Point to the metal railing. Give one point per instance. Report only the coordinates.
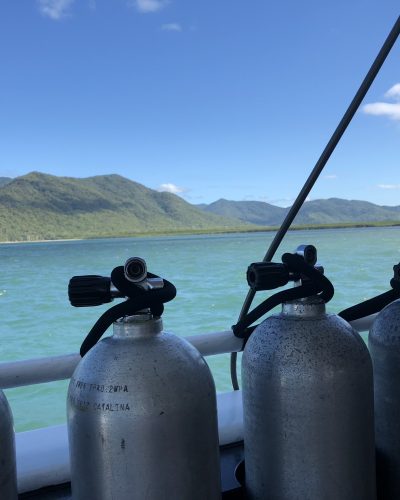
(50, 369)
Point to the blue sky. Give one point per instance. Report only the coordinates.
(208, 99)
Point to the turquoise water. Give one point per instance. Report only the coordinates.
(208, 271)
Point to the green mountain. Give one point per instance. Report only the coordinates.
(254, 212)
(331, 211)
(4, 180)
(40, 206)
(336, 210)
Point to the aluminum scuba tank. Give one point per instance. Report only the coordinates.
(142, 418)
(8, 475)
(384, 345)
(308, 407)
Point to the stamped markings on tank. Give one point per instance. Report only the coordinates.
(83, 404)
(79, 403)
(111, 406)
(110, 388)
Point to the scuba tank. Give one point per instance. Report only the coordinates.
(142, 418)
(384, 345)
(8, 475)
(307, 393)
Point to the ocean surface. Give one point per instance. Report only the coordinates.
(208, 271)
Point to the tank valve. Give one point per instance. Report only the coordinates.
(271, 275)
(142, 290)
(300, 267)
(92, 290)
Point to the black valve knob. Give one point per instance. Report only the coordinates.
(396, 272)
(308, 252)
(395, 281)
(267, 275)
(90, 290)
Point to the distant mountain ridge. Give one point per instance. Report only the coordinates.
(40, 206)
(330, 211)
(258, 212)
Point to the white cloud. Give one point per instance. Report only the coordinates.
(55, 9)
(389, 186)
(150, 5)
(389, 109)
(171, 27)
(171, 188)
(394, 92)
(330, 176)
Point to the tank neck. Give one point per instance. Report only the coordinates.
(138, 325)
(310, 307)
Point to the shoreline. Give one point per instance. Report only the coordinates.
(18, 242)
(260, 229)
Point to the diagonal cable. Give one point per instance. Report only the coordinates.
(327, 152)
(319, 166)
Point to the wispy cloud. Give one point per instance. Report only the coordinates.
(146, 6)
(389, 186)
(171, 188)
(55, 9)
(171, 27)
(389, 109)
(330, 176)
